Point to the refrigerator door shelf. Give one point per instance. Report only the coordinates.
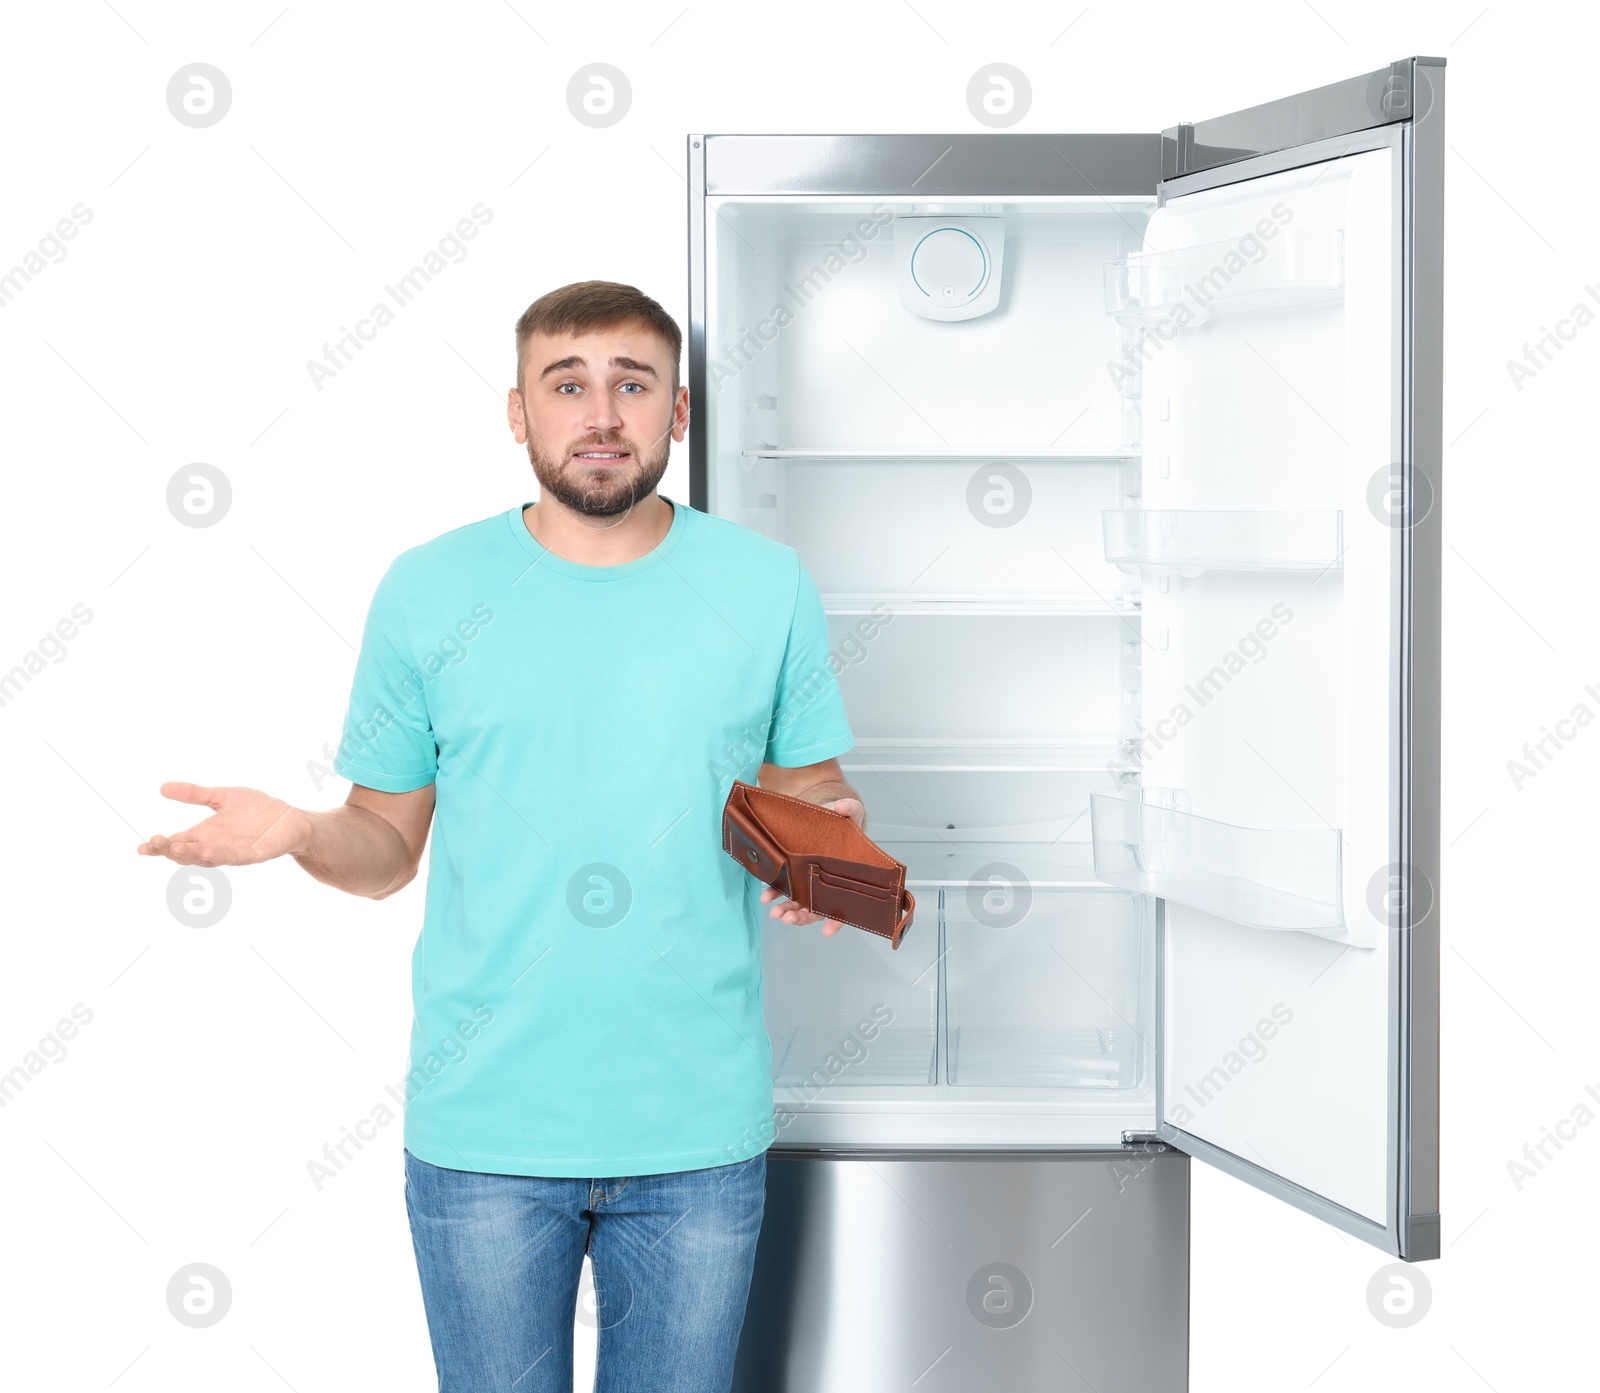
(1262, 878)
(1190, 542)
(1270, 267)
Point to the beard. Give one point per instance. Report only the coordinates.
(600, 491)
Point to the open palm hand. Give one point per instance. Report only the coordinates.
(246, 826)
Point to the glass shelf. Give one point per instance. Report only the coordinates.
(957, 809)
(1145, 839)
(1296, 267)
(975, 602)
(1190, 542)
(878, 455)
(953, 860)
(988, 756)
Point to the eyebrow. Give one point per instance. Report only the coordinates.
(574, 360)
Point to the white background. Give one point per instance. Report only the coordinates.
(178, 1126)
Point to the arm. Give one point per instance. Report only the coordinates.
(369, 847)
(375, 840)
(822, 783)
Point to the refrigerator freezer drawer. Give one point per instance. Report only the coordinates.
(1022, 1271)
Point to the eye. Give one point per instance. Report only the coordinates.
(561, 387)
(639, 385)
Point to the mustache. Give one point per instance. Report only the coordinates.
(620, 443)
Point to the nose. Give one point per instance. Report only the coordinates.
(602, 415)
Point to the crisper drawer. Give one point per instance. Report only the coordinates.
(850, 1010)
(1046, 987)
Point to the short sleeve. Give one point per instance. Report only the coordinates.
(808, 719)
(387, 742)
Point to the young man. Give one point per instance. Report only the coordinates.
(567, 690)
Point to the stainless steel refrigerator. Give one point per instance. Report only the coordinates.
(1116, 460)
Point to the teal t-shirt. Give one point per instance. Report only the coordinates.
(587, 983)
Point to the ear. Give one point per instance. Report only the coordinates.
(515, 418)
(680, 415)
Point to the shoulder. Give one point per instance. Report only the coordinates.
(453, 553)
(726, 542)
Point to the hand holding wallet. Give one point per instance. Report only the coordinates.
(819, 858)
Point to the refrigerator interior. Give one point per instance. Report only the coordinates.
(944, 483)
(1050, 540)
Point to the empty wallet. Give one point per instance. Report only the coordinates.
(819, 858)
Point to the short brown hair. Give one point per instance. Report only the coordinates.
(586, 305)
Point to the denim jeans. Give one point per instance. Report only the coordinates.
(500, 1256)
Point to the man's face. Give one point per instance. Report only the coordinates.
(598, 415)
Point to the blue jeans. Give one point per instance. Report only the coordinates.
(500, 1256)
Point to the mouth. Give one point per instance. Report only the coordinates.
(604, 456)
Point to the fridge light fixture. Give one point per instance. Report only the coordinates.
(948, 259)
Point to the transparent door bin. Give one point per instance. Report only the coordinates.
(1190, 542)
(1293, 268)
(1146, 839)
(849, 1010)
(1043, 987)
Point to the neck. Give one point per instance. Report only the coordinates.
(592, 541)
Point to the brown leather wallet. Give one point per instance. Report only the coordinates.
(819, 858)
